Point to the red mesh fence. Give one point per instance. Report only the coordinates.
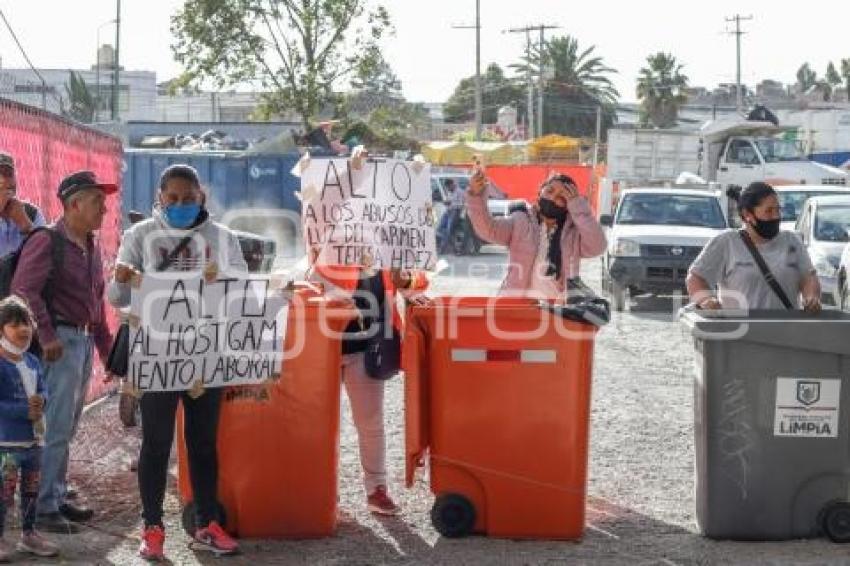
(46, 148)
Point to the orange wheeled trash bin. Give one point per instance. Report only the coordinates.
(278, 443)
(497, 399)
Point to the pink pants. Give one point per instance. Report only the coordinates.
(366, 396)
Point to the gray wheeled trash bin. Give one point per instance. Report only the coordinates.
(772, 424)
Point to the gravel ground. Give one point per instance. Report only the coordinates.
(640, 506)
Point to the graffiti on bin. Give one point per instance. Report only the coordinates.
(378, 214)
(186, 333)
(735, 434)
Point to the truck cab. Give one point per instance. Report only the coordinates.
(739, 153)
(654, 236)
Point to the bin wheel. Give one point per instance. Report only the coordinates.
(835, 521)
(453, 515)
(189, 523)
(618, 296)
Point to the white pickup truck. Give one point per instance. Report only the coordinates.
(655, 234)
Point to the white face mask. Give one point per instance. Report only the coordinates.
(11, 348)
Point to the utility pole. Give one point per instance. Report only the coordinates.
(478, 85)
(598, 138)
(541, 28)
(739, 101)
(115, 76)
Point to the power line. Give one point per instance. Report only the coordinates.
(541, 28)
(27, 59)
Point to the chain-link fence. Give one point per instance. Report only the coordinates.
(46, 148)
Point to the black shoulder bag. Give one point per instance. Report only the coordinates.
(383, 349)
(119, 354)
(765, 270)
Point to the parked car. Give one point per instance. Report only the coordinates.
(655, 234)
(793, 197)
(463, 240)
(822, 226)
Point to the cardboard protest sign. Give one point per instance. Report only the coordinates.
(376, 215)
(187, 333)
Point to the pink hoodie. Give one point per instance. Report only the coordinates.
(520, 232)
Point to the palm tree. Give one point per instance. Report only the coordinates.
(660, 89)
(845, 74)
(806, 77)
(81, 102)
(576, 83)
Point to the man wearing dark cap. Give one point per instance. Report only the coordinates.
(68, 327)
(17, 218)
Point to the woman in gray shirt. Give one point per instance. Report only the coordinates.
(726, 263)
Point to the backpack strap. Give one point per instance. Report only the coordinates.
(765, 270)
(57, 261)
(31, 210)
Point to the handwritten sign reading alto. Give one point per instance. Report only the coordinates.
(185, 331)
(379, 215)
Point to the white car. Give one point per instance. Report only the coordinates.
(823, 226)
(793, 197)
(654, 237)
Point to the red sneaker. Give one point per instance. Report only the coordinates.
(379, 502)
(153, 539)
(214, 539)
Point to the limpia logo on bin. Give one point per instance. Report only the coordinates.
(807, 407)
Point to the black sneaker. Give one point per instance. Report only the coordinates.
(55, 523)
(76, 513)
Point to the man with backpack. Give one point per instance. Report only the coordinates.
(17, 218)
(66, 295)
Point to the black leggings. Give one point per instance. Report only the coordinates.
(200, 428)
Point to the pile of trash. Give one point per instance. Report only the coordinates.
(211, 140)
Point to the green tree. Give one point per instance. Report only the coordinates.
(660, 89)
(845, 74)
(297, 50)
(376, 89)
(577, 83)
(497, 90)
(832, 75)
(806, 77)
(81, 103)
(389, 128)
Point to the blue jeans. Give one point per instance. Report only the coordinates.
(23, 463)
(67, 382)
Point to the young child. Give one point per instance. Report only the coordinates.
(22, 399)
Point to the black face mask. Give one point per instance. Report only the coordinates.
(767, 229)
(549, 209)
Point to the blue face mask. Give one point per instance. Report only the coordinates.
(181, 215)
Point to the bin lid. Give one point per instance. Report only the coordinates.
(826, 331)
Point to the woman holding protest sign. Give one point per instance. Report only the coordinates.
(373, 337)
(546, 243)
(370, 351)
(179, 237)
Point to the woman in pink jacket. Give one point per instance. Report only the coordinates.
(545, 243)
